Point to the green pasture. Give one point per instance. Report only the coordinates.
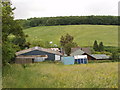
(84, 35)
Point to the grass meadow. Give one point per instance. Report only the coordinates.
(57, 75)
(84, 35)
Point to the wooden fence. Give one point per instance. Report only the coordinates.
(23, 60)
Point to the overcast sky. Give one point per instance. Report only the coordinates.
(47, 8)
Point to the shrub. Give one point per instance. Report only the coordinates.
(103, 52)
(115, 56)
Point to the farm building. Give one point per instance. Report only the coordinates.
(37, 54)
(100, 56)
(81, 59)
(80, 52)
(68, 60)
(89, 56)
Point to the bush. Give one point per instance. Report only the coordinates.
(104, 52)
(37, 43)
(110, 49)
(8, 52)
(99, 61)
(115, 56)
(25, 65)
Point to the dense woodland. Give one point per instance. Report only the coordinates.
(70, 20)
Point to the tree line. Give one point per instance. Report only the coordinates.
(70, 20)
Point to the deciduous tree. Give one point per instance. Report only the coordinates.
(67, 43)
(10, 27)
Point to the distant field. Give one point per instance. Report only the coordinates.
(84, 35)
(57, 75)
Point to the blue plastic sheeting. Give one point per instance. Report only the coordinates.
(81, 61)
(67, 60)
(85, 61)
(39, 59)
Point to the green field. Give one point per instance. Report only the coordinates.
(57, 75)
(84, 35)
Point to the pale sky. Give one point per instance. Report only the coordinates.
(50, 8)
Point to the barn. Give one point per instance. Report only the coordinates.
(78, 51)
(37, 54)
(81, 52)
(100, 56)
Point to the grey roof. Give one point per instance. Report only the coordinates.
(100, 56)
(75, 48)
(77, 52)
(38, 48)
(85, 49)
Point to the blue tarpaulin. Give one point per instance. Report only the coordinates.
(81, 61)
(67, 60)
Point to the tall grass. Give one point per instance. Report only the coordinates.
(57, 75)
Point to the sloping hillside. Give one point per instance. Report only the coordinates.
(84, 35)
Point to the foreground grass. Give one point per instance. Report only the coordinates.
(56, 75)
(84, 35)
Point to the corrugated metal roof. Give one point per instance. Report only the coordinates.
(38, 48)
(100, 56)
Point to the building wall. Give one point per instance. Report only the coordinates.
(89, 57)
(57, 57)
(23, 60)
(37, 52)
(67, 60)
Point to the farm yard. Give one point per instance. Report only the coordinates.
(57, 75)
(95, 74)
(58, 51)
